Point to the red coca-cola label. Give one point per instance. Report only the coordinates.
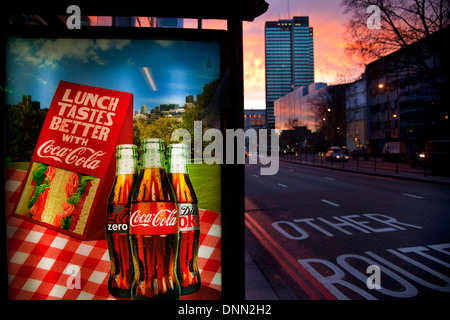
(153, 218)
(117, 219)
(81, 128)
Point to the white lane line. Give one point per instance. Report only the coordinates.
(255, 175)
(328, 178)
(291, 170)
(332, 203)
(412, 196)
(282, 185)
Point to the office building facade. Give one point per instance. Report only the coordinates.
(296, 110)
(403, 103)
(289, 56)
(254, 119)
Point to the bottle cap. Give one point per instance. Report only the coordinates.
(152, 143)
(177, 148)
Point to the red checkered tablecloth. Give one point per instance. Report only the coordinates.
(45, 264)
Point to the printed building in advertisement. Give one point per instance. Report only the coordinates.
(289, 56)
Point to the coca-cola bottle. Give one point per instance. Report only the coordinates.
(154, 228)
(189, 219)
(117, 222)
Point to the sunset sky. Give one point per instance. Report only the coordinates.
(34, 67)
(327, 19)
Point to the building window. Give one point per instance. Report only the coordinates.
(375, 108)
(393, 124)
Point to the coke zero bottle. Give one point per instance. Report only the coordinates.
(117, 222)
(154, 228)
(189, 219)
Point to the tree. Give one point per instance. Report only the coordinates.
(24, 124)
(161, 128)
(329, 109)
(208, 107)
(207, 110)
(402, 22)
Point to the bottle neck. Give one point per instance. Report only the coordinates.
(126, 161)
(178, 164)
(126, 166)
(152, 153)
(153, 159)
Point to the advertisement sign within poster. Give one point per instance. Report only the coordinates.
(70, 173)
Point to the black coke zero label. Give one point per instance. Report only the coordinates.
(118, 219)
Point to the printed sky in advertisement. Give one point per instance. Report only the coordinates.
(154, 71)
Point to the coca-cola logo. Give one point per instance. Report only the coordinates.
(82, 156)
(164, 218)
(117, 221)
(118, 217)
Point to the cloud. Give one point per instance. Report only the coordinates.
(107, 44)
(40, 80)
(164, 43)
(52, 52)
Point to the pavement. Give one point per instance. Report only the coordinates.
(258, 287)
(375, 166)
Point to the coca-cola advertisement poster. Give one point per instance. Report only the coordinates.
(72, 166)
(98, 93)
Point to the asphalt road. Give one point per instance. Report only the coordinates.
(325, 234)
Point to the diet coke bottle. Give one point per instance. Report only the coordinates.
(154, 228)
(189, 219)
(117, 222)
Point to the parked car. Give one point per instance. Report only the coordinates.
(335, 154)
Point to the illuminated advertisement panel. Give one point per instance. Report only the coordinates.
(70, 102)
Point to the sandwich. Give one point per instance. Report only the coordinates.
(58, 197)
(76, 189)
(41, 179)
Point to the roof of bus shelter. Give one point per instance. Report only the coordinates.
(245, 10)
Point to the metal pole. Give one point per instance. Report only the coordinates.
(396, 165)
(357, 160)
(375, 162)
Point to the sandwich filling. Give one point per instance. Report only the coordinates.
(76, 190)
(42, 178)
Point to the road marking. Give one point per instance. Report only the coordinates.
(255, 175)
(332, 203)
(297, 272)
(412, 196)
(282, 185)
(328, 178)
(291, 170)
